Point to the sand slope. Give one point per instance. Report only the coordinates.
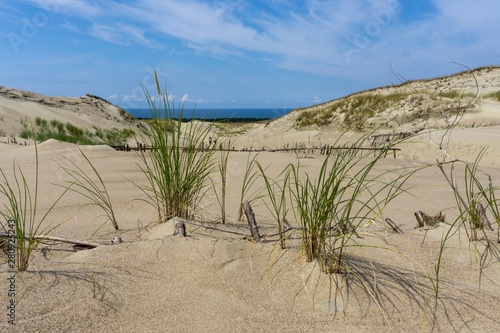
(212, 281)
(410, 98)
(84, 112)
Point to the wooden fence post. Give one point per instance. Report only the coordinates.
(251, 220)
(180, 229)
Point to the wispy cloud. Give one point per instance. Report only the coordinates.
(207, 101)
(123, 34)
(321, 37)
(213, 50)
(72, 27)
(317, 100)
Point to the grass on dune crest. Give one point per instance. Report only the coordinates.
(67, 132)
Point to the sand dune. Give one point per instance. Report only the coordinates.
(409, 98)
(84, 112)
(213, 281)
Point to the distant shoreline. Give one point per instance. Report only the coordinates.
(229, 114)
(219, 120)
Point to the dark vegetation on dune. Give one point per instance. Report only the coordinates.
(67, 132)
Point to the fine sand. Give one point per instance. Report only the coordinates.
(212, 281)
(84, 112)
(219, 282)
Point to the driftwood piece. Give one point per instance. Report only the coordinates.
(394, 225)
(420, 220)
(424, 220)
(57, 239)
(180, 229)
(481, 212)
(251, 220)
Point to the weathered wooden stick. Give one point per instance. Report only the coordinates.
(425, 220)
(394, 226)
(420, 221)
(180, 229)
(57, 239)
(482, 216)
(251, 220)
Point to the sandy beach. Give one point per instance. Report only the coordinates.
(215, 281)
(249, 166)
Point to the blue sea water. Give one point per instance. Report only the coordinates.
(270, 113)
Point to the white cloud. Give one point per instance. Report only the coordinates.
(108, 34)
(122, 34)
(71, 26)
(212, 50)
(131, 98)
(341, 38)
(203, 101)
(476, 16)
(197, 22)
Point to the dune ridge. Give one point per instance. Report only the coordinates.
(85, 112)
(404, 98)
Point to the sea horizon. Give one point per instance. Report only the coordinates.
(212, 113)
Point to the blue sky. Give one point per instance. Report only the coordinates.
(237, 53)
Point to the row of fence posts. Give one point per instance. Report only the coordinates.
(389, 137)
(323, 150)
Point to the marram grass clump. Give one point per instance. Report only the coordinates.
(330, 207)
(19, 211)
(177, 169)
